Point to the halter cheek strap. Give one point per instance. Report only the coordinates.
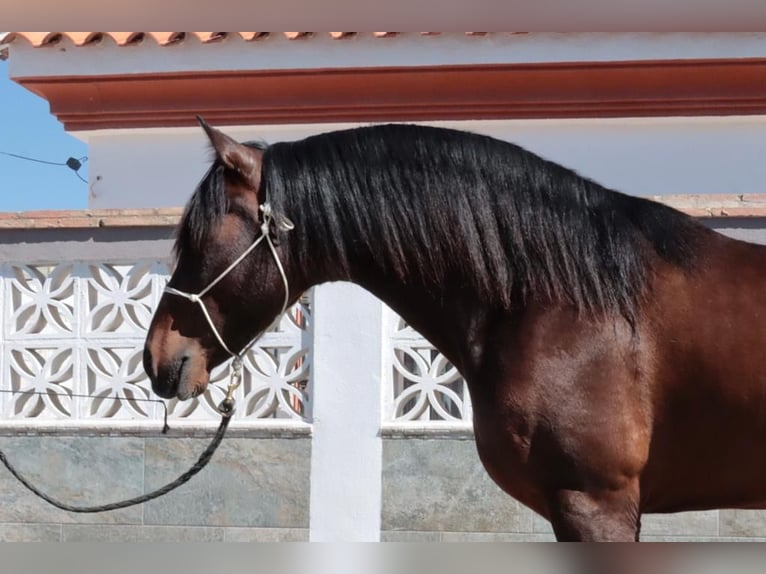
(196, 298)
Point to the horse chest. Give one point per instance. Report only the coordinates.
(504, 444)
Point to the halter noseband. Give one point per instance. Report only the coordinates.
(268, 218)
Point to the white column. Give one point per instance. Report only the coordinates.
(346, 450)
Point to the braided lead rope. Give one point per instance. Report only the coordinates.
(185, 477)
(226, 407)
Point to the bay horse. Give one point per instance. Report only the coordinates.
(613, 347)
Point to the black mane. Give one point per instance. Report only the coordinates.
(433, 207)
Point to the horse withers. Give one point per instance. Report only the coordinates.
(612, 346)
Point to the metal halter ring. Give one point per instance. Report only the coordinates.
(228, 405)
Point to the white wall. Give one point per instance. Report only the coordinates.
(660, 156)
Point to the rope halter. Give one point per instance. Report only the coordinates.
(227, 405)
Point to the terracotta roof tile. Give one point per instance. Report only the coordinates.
(164, 38)
(250, 36)
(34, 38)
(296, 35)
(123, 38)
(82, 38)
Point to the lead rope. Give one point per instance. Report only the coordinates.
(199, 465)
(227, 406)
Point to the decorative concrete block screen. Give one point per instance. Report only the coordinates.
(72, 343)
(421, 386)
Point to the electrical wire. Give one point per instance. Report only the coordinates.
(17, 156)
(72, 163)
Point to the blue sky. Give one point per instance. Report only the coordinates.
(28, 128)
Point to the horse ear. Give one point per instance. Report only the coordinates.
(238, 157)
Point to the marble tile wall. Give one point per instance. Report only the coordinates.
(257, 490)
(252, 490)
(437, 490)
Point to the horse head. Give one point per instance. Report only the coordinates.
(229, 283)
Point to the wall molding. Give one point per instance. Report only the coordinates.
(697, 205)
(648, 88)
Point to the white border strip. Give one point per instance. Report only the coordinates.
(273, 428)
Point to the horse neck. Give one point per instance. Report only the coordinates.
(452, 320)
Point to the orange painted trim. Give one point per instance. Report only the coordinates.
(557, 90)
(701, 206)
